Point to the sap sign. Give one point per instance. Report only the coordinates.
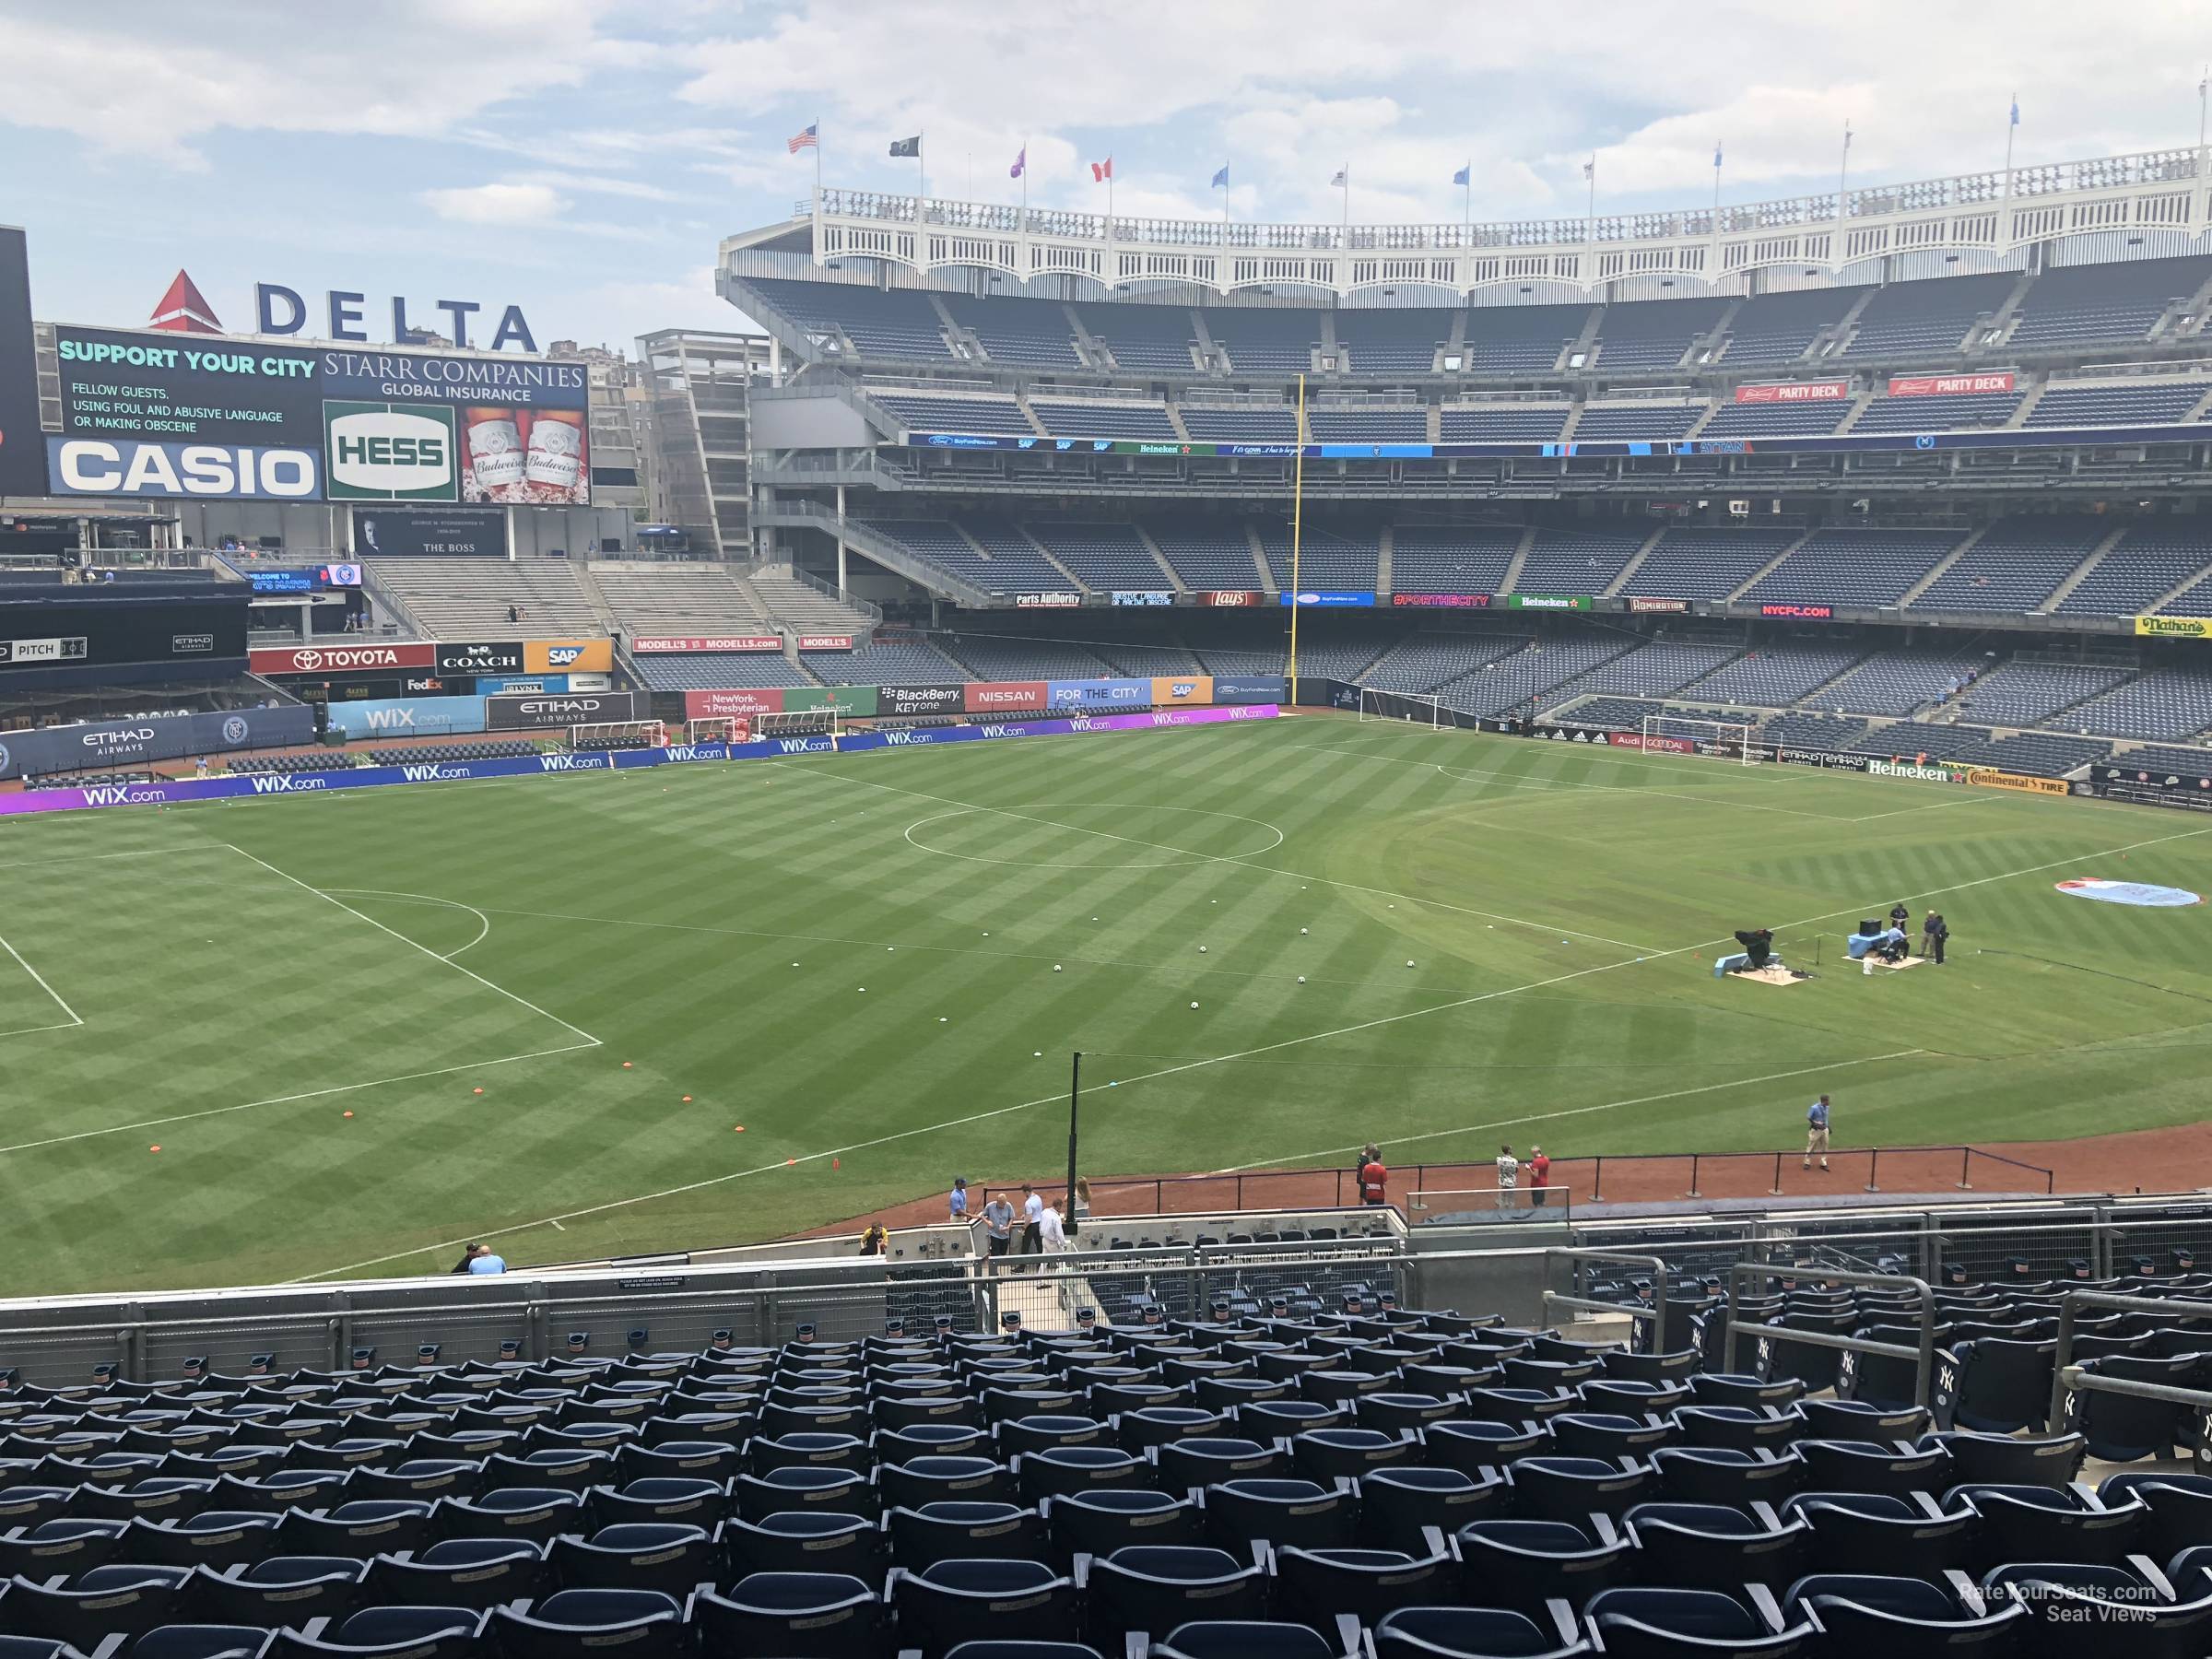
(129, 466)
(280, 310)
(1099, 693)
(1311, 597)
(421, 717)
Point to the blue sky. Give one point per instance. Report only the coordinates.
(580, 158)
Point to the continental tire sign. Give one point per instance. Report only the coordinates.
(2175, 627)
(1990, 778)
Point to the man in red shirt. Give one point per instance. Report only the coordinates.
(1374, 1180)
(1539, 1176)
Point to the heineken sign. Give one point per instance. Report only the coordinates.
(1552, 602)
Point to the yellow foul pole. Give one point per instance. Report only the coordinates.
(1297, 508)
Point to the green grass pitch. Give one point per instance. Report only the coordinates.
(228, 980)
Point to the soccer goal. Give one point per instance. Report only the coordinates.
(800, 722)
(1420, 707)
(1718, 739)
(720, 728)
(620, 734)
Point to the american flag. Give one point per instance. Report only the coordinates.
(808, 139)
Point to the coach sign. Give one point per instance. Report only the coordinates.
(485, 656)
(110, 742)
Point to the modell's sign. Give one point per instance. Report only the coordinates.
(341, 659)
(645, 643)
(1949, 385)
(1828, 391)
(825, 642)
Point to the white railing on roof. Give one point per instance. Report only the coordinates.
(1991, 213)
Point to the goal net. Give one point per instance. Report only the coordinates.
(620, 734)
(1421, 707)
(720, 728)
(1716, 739)
(801, 722)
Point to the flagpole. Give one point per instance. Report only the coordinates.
(817, 166)
(2202, 86)
(1468, 207)
(1842, 189)
(1025, 182)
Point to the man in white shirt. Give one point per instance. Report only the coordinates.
(1032, 1211)
(1509, 1177)
(1052, 1235)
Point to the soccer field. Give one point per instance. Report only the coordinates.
(878, 964)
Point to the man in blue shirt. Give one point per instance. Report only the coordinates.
(957, 1203)
(1816, 1132)
(482, 1260)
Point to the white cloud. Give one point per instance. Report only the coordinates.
(497, 203)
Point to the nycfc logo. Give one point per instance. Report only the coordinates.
(5, 756)
(234, 729)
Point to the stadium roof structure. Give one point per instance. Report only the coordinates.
(2155, 202)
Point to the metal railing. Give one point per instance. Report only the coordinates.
(2068, 1379)
(1923, 1356)
(1655, 1313)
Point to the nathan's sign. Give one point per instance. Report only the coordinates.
(1949, 386)
(341, 659)
(1828, 391)
(2175, 627)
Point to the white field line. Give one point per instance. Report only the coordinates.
(588, 1040)
(39, 863)
(974, 1117)
(310, 1094)
(1188, 1066)
(482, 933)
(1545, 1117)
(1241, 859)
(74, 1017)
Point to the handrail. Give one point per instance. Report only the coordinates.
(2067, 1377)
(1656, 1313)
(1923, 1356)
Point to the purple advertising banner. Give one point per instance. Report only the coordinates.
(178, 790)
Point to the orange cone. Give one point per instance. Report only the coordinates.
(686, 1100)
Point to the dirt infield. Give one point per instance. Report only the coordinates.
(2154, 1161)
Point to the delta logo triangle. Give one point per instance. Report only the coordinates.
(182, 309)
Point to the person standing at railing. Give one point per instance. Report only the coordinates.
(1539, 1176)
(1374, 1180)
(1509, 1177)
(1816, 1132)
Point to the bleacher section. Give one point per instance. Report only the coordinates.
(895, 323)
(1143, 339)
(2147, 561)
(1270, 423)
(1452, 561)
(1530, 674)
(996, 657)
(1653, 334)
(1337, 424)
(1520, 340)
(469, 598)
(1130, 420)
(1575, 561)
(2017, 565)
(2021, 694)
(1706, 564)
(1659, 669)
(1422, 661)
(1941, 413)
(1503, 423)
(802, 606)
(1925, 319)
(2074, 304)
(1897, 682)
(1780, 328)
(1861, 568)
(1815, 418)
(1391, 342)
(1263, 340)
(882, 662)
(925, 414)
(1775, 678)
(704, 671)
(1103, 556)
(1034, 334)
(2165, 757)
(2164, 702)
(1327, 558)
(1217, 558)
(2137, 402)
(679, 599)
(1637, 422)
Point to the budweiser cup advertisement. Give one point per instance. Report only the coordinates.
(531, 457)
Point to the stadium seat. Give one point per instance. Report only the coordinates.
(956, 1529)
(806, 1615)
(2039, 1524)
(1397, 1503)
(1523, 1564)
(399, 1631)
(1149, 1587)
(1221, 1639)
(2067, 1598)
(988, 1599)
(1569, 1488)
(282, 1590)
(85, 1609)
(1103, 1520)
(1901, 1617)
(1672, 1624)
(2178, 1509)
(1319, 1586)
(1885, 1536)
(1713, 1547)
